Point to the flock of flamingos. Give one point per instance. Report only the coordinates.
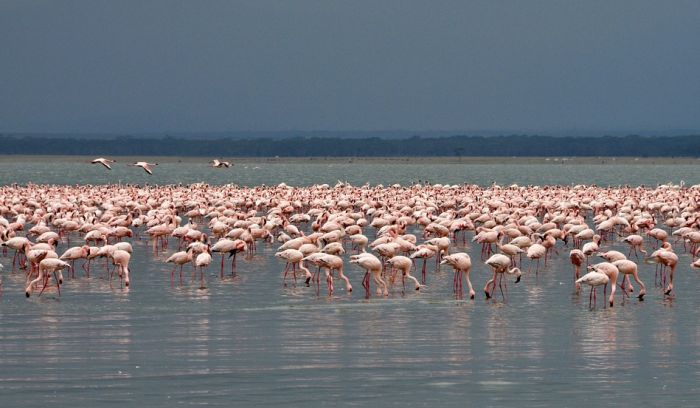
(395, 234)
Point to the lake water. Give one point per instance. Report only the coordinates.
(250, 341)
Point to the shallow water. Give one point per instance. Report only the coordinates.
(252, 172)
(251, 341)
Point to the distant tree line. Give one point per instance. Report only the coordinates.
(513, 145)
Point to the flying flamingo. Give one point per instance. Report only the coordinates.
(147, 167)
(104, 162)
(219, 164)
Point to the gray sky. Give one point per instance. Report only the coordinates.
(152, 66)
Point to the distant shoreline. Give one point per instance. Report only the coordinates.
(421, 160)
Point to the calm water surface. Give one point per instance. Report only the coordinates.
(251, 341)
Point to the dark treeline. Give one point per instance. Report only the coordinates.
(515, 145)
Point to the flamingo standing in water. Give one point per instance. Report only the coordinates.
(293, 258)
(404, 265)
(576, 257)
(636, 242)
(612, 273)
(179, 258)
(667, 259)
(424, 252)
(462, 265)
(373, 267)
(47, 266)
(536, 251)
(591, 248)
(627, 268)
(202, 261)
(333, 263)
(232, 247)
(500, 263)
(121, 258)
(593, 279)
(75, 253)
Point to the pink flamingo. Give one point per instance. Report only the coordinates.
(202, 262)
(147, 167)
(179, 258)
(373, 267)
(500, 263)
(462, 265)
(404, 265)
(104, 162)
(230, 247)
(46, 267)
(593, 279)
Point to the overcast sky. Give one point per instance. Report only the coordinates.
(154, 66)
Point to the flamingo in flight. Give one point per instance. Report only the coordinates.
(219, 164)
(104, 162)
(146, 166)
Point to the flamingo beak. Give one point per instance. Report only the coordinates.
(518, 279)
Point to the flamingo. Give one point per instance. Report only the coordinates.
(46, 267)
(424, 252)
(179, 258)
(373, 267)
(293, 258)
(75, 253)
(104, 162)
(500, 263)
(147, 167)
(462, 265)
(331, 263)
(576, 257)
(404, 265)
(627, 267)
(593, 279)
(590, 248)
(232, 247)
(202, 261)
(667, 259)
(219, 164)
(611, 272)
(536, 251)
(121, 258)
(635, 242)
